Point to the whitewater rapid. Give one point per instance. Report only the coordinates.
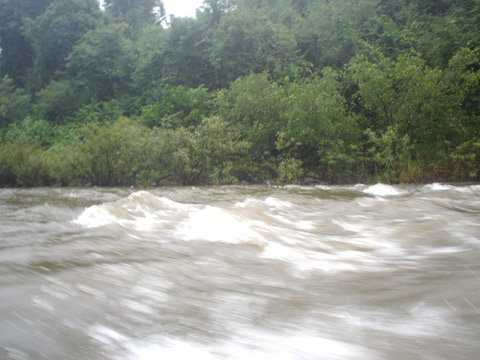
(257, 272)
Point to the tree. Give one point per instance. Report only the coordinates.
(178, 106)
(332, 31)
(14, 102)
(318, 129)
(102, 62)
(57, 101)
(136, 13)
(213, 10)
(255, 106)
(16, 51)
(150, 47)
(245, 42)
(412, 108)
(185, 53)
(54, 33)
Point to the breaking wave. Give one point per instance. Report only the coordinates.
(308, 235)
(322, 272)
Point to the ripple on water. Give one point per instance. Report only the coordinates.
(325, 272)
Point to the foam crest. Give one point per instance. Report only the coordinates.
(437, 187)
(446, 187)
(252, 345)
(382, 190)
(249, 203)
(144, 211)
(140, 210)
(362, 255)
(145, 198)
(95, 216)
(216, 224)
(269, 203)
(277, 203)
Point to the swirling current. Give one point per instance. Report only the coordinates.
(249, 272)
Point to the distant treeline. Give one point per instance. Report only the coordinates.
(339, 91)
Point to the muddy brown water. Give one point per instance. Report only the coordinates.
(252, 272)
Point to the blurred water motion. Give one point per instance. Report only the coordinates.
(348, 272)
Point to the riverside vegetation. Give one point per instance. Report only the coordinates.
(249, 90)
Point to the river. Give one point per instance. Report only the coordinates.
(253, 272)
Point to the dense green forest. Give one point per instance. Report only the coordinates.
(340, 91)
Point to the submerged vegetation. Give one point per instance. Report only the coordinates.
(249, 90)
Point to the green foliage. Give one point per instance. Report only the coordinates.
(318, 130)
(249, 90)
(221, 157)
(392, 157)
(441, 28)
(290, 171)
(56, 101)
(54, 33)
(331, 32)
(14, 102)
(255, 105)
(36, 130)
(211, 153)
(178, 106)
(22, 164)
(110, 155)
(415, 105)
(184, 57)
(16, 51)
(125, 152)
(465, 161)
(136, 13)
(243, 43)
(98, 112)
(148, 75)
(102, 62)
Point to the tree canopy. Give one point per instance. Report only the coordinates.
(248, 90)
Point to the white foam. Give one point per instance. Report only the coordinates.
(141, 211)
(323, 187)
(446, 187)
(269, 202)
(248, 202)
(215, 224)
(95, 216)
(145, 198)
(145, 212)
(277, 203)
(419, 321)
(172, 350)
(304, 261)
(349, 226)
(136, 306)
(250, 344)
(42, 304)
(382, 190)
(106, 335)
(437, 187)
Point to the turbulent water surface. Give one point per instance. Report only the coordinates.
(360, 272)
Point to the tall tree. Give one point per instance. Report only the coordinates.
(215, 9)
(185, 54)
(54, 33)
(16, 53)
(318, 130)
(14, 102)
(102, 62)
(136, 13)
(333, 30)
(411, 103)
